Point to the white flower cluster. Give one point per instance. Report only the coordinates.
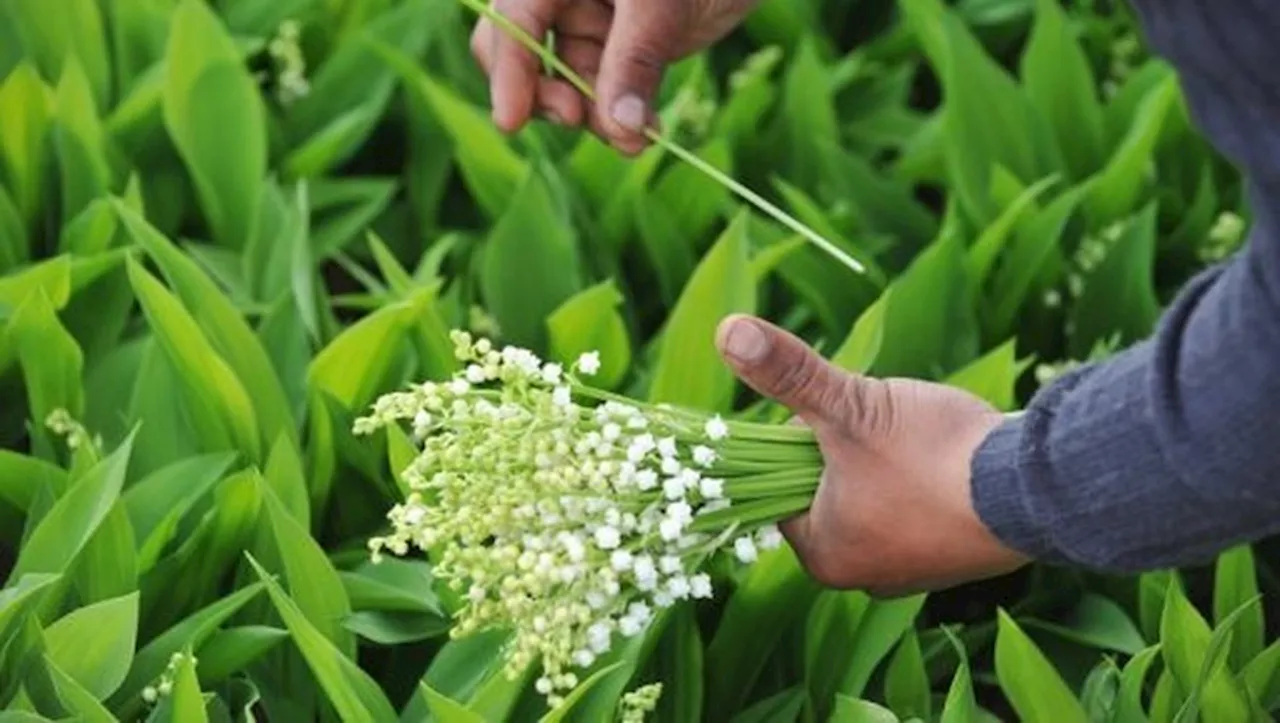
(568, 524)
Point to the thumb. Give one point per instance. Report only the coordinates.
(639, 46)
(780, 366)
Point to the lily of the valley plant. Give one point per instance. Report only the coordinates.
(569, 515)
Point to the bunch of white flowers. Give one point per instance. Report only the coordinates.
(569, 515)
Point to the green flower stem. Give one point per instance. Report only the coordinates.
(550, 59)
(755, 512)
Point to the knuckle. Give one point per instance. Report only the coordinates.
(795, 377)
(869, 408)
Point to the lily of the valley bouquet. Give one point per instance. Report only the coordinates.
(569, 515)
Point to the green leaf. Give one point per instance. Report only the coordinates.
(353, 694)
(52, 276)
(906, 686)
(1196, 657)
(21, 476)
(850, 710)
(228, 652)
(59, 538)
(94, 644)
(13, 235)
(223, 325)
(75, 697)
(26, 114)
(679, 662)
(1100, 689)
(930, 327)
(994, 376)
(692, 199)
(590, 321)
(18, 599)
(1235, 585)
(221, 409)
(1119, 295)
(960, 705)
(108, 566)
(193, 631)
(50, 40)
(859, 351)
(985, 250)
(51, 360)
(1129, 703)
(781, 707)
(531, 263)
(79, 140)
(775, 593)
(493, 172)
(186, 704)
(157, 503)
(689, 370)
(1117, 189)
(1098, 622)
(215, 115)
(1261, 676)
(1029, 680)
(313, 583)
(1059, 81)
(447, 710)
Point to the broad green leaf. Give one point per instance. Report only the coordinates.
(447, 710)
(313, 583)
(1119, 295)
(287, 479)
(531, 263)
(880, 625)
(52, 276)
(108, 565)
(186, 702)
(1235, 584)
(859, 351)
(808, 117)
(1032, 248)
(1100, 689)
(1032, 685)
(692, 199)
(1059, 81)
(906, 687)
(1196, 656)
(680, 668)
(616, 673)
(75, 697)
(94, 644)
(851, 710)
(215, 115)
(689, 370)
(75, 517)
(1117, 189)
(223, 325)
(52, 39)
(994, 376)
(13, 235)
(158, 502)
(781, 707)
(1261, 676)
(220, 407)
(671, 255)
(79, 141)
(20, 597)
(988, 120)
(775, 594)
(930, 328)
(193, 631)
(960, 705)
(21, 476)
(350, 90)
(1098, 622)
(228, 652)
(590, 321)
(492, 171)
(51, 360)
(353, 694)
(392, 585)
(986, 249)
(26, 117)
(1129, 704)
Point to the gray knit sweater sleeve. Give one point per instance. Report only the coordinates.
(1169, 452)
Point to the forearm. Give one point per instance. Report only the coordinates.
(1170, 451)
(1162, 455)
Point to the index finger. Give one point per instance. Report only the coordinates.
(515, 69)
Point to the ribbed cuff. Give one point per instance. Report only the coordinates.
(999, 494)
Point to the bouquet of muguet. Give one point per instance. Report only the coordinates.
(569, 515)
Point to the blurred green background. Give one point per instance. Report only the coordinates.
(227, 226)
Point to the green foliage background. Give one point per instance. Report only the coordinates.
(204, 278)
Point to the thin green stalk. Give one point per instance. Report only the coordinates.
(549, 58)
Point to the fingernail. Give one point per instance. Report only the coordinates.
(745, 341)
(629, 112)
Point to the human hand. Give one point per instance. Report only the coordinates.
(620, 47)
(893, 513)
